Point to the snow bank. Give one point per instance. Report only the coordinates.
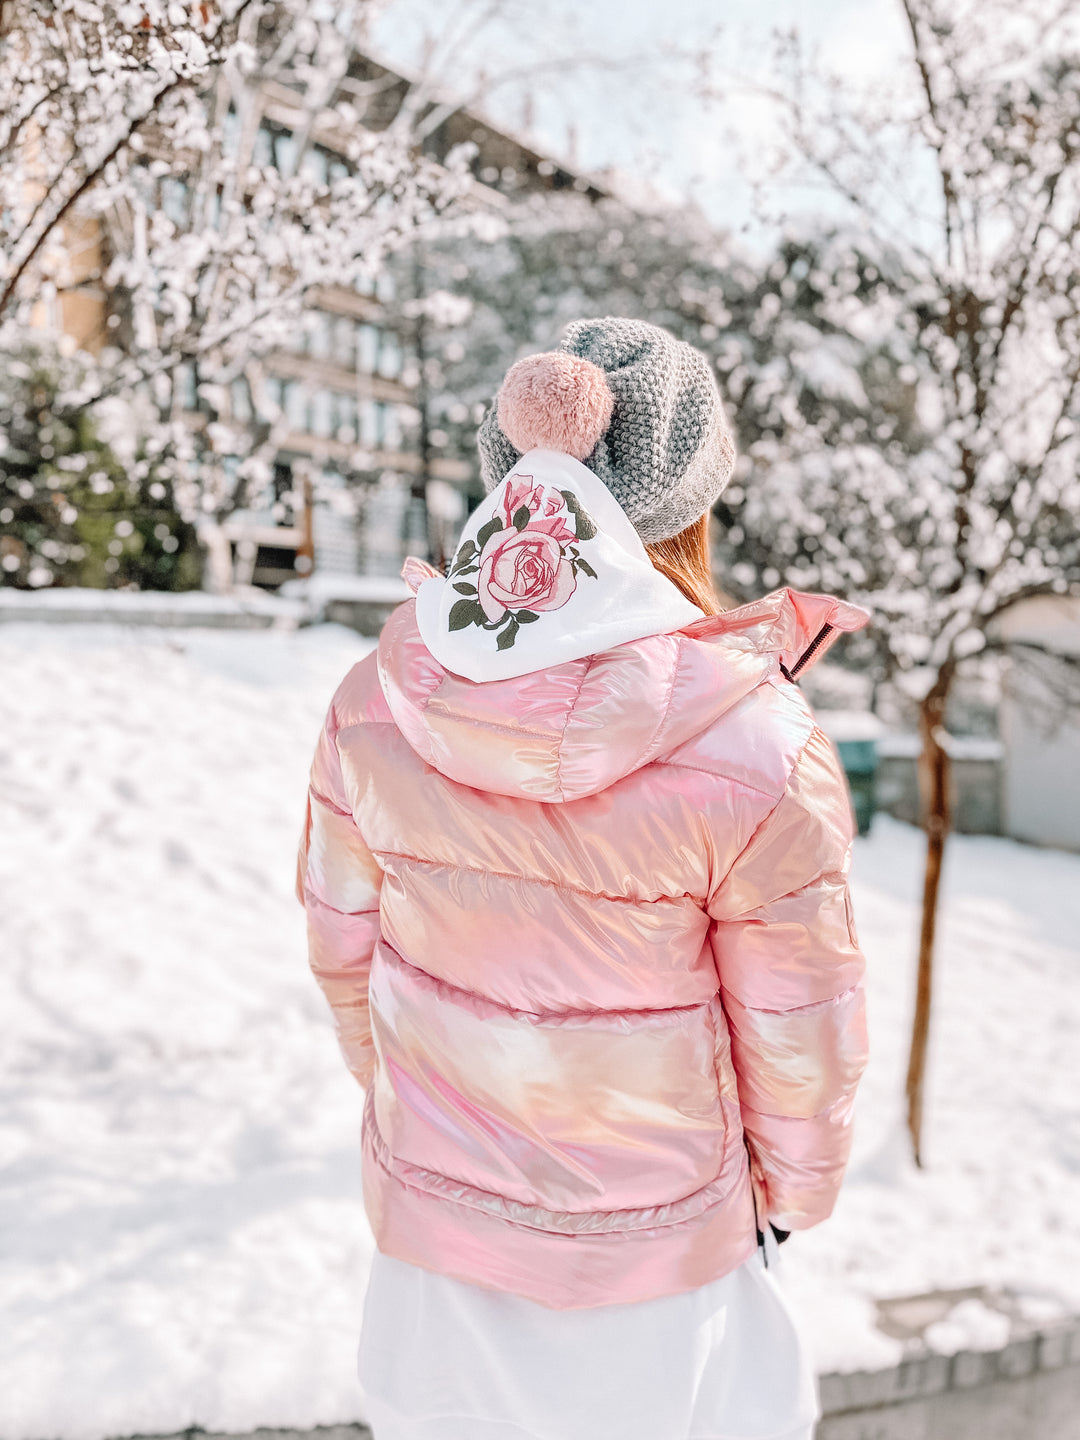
(180, 1218)
(181, 1234)
(998, 1201)
(247, 609)
(318, 589)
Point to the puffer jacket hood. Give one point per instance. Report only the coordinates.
(580, 726)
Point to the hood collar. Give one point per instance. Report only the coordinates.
(548, 569)
(575, 728)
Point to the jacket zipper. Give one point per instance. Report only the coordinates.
(808, 653)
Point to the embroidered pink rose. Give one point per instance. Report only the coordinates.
(523, 570)
(546, 507)
(526, 559)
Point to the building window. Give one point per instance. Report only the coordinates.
(345, 342)
(320, 334)
(262, 152)
(285, 148)
(322, 414)
(273, 391)
(315, 165)
(295, 405)
(174, 200)
(230, 465)
(345, 418)
(387, 426)
(241, 401)
(184, 389)
(367, 348)
(389, 355)
(368, 424)
(283, 479)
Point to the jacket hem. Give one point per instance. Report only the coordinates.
(560, 1270)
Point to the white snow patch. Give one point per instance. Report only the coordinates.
(997, 1202)
(324, 586)
(850, 724)
(971, 1325)
(182, 1239)
(182, 607)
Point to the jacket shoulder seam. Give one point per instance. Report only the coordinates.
(723, 776)
(566, 725)
(777, 802)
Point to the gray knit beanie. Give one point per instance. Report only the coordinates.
(666, 452)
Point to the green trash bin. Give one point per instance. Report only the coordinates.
(860, 762)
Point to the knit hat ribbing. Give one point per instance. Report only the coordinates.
(667, 452)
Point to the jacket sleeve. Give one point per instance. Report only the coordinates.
(791, 985)
(338, 883)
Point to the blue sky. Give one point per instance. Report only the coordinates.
(638, 116)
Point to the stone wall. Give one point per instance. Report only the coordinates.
(1028, 1390)
(977, 785)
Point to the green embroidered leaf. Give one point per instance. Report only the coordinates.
(521, 517)
(465, 589)
(493, 526)
(463, 556)
(584, 565)
(507, 636)
(465, 570)
(526, 616)
(583, 526)
(464, 613)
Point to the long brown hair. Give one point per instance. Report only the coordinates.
(684, 559)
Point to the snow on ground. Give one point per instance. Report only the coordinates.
(999, 1199)
(181, 1233)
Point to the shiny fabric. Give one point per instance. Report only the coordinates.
(586, 936)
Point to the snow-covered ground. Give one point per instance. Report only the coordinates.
(181, 1234)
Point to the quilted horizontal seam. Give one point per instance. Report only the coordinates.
(603, 1012)
(509, 1212)
(843, 1099)
(795, 1009)
(310, 894)
(534, 880)
(478, 724)
(391, 724)
(328, 804)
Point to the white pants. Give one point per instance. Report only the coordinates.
(442, 1360)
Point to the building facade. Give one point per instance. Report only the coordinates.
(1040, 721)
(356, 486)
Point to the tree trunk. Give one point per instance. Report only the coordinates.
(935, 783)
(419, 520)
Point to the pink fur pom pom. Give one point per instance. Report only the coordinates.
(555, 402)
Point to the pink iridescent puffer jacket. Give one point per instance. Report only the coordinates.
(587, 939)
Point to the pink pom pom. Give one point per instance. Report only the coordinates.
(555, 402)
